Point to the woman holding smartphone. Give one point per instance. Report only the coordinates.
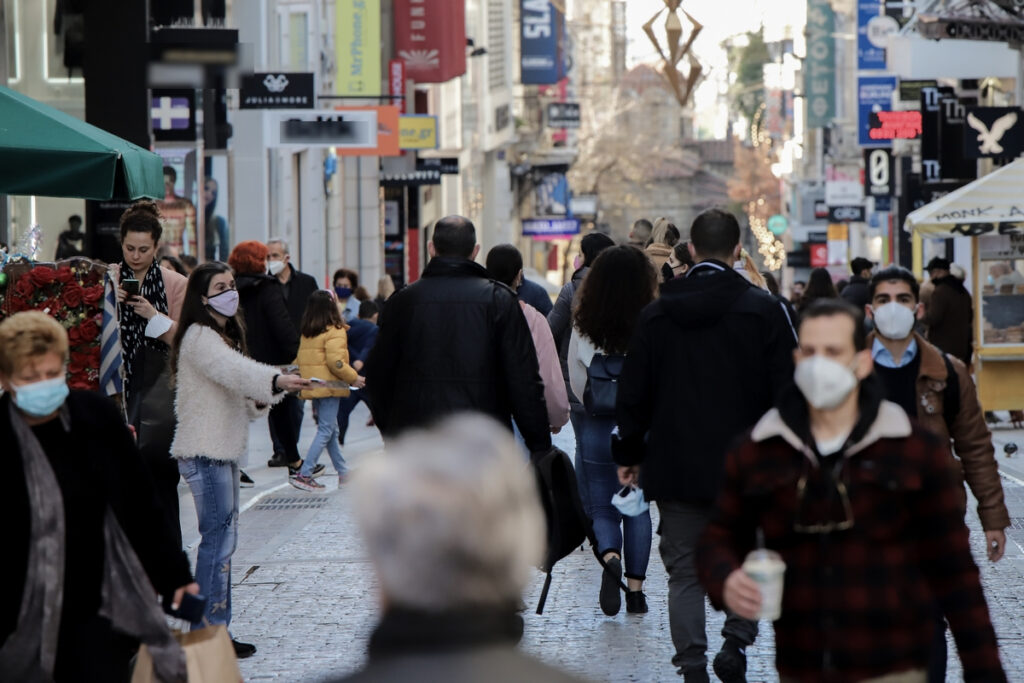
(219, 390)
(150, 298)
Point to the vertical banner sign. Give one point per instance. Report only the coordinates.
(873, 31)
(542, 43)
(430, 37)
(820, 65)
(878, 177)
(396, 84)
(874, 94)
(931, 108)
(358, 47)
(952, 122)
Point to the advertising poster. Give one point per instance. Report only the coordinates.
(217, 237)
(874, 94)
(181, 195)
(873, 31)
(542, 43)
(358, 47)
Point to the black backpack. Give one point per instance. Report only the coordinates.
(567, 524)
(602, 384)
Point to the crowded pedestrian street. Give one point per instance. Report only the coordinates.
(302, 588)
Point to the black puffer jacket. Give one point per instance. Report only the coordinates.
(858, 292)
(705, 363)
(455, 341)
(269, 332)
(298, 290)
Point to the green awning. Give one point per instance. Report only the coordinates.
(44, 151)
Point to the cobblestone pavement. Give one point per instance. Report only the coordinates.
(305, 595)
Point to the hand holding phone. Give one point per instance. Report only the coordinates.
(131, 286)
(317, 380)
(191, 609)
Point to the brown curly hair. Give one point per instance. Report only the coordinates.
(142, 216)
(619, 284)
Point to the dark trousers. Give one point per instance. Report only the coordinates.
(345, 408)
(937, 658)
(93, 651)
(164, 470)
(681, 526)
(285, 421)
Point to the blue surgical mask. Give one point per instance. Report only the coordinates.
(630, 501)
(343, 292)
(40, 399)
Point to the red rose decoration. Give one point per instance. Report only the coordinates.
(72, 294)
(24, 287)
(43, 275)
(88, 330)
(75, 336)
(65, 275)
(92, 295)
(79, 362)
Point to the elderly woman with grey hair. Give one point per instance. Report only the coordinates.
(452, 524)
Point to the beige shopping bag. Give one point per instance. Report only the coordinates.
(208, 653)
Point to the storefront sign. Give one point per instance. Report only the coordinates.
(396, 84)
(885, 126)
(278, 90)
(542, 43)
(357, 47)
(443, 165)
(551, 227)
(840, 192)
(846, 214)
(173, 115)
(819, 255)
(430, 37)
(820, 64)
(563, 115)
(417, 131)
(873, 31)
(874, 96)
(994, 132)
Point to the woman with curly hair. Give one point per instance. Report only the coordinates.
(620, 283)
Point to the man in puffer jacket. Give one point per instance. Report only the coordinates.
(455, 341)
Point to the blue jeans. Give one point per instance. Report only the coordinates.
(326, 436)
(345, 407)
(601, 481)
(214, 485)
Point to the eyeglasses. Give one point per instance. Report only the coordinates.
(805, 527)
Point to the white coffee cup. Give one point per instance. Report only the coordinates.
(768, 570)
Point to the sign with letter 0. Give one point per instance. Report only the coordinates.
(878, 173)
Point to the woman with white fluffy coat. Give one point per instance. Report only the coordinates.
(218, 391)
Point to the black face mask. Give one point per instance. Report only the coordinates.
(666, 272)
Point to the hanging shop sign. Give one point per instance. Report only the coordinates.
(173, 115)
(396, 84)
(874, 96)
(994, 132)
(542, 43)
(357, 47)
(443, 165)
(873, 31)
(563, 115)
(820, 64)
(417, 131)
(430, 37)
(551, 227)
(278, 90)
(846, 214)
(879, 168)
(885, 126)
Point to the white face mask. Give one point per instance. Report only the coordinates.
(824, 382)
(275, 267)
(893, 320)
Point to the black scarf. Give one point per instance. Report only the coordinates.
(133, 325)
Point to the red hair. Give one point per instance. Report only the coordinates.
(249, 258)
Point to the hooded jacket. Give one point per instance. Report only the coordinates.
(560, 321)
(269, 333)
(705, 363)
(454, 341)
(950, 318)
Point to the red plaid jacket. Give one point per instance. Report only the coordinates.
(858, 603)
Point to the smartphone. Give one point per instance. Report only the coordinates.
(131, 286)
(191, 609)
(317, 380)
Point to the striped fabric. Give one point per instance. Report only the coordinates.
(111, 365)
(976, 207)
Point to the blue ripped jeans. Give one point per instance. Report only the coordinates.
(214, 485)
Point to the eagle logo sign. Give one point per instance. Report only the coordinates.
(991, 137)
(275, 83)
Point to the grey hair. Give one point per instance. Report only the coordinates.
(451, 516)
(282, 241)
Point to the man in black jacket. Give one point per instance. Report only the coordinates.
(857, 291)
(705, 363)
(297, 288)
(454, 341)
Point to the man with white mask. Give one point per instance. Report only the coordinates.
(863, 507)
(936, 389)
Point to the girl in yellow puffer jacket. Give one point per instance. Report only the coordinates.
(323, 358)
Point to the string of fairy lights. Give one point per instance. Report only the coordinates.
(773, 251)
